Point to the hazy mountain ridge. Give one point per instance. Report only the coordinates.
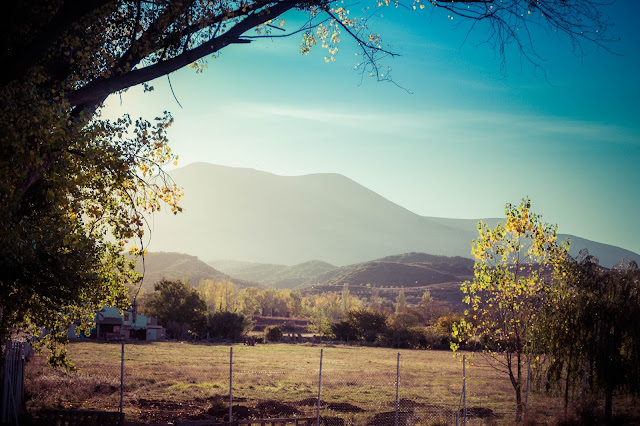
(246, 214)
(403, 270)
(251, 271)
(390, 274)
(279, 276)
(179, 266)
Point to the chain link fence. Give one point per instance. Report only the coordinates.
(335, 384)
(338, 390)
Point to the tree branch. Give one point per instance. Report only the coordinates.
(97, 91)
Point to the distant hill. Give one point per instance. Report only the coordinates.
(278, 276)
(388, 274)
(178, 266)
(406, 270)
(457, 265)
(413, 272)
(250, 215)
(251, 271)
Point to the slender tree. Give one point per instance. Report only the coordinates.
(512, 277)
(401, 302)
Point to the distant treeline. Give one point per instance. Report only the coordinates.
(337, 315)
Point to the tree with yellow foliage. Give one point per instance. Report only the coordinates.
(513, 276)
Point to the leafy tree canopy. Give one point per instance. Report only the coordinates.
(74, 186)
(368, 324)
(227, 325)
(178, 307)
(591, 332)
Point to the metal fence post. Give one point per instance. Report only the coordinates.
(231, 384)
(397, 388)
(464, 390)
(526, 395)
(319, 389)
(121, 376)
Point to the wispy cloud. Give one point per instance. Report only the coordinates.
(445, 125)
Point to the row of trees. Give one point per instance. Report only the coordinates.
(532, 303)
(222, 310)
(592, 338)
(225, 296)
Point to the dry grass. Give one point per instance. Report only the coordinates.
(170, 380)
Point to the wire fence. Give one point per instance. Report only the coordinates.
(335, 385)
(387, 392)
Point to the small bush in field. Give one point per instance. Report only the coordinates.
(273, 334)
(228, 325)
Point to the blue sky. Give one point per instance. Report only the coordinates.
(466, 140)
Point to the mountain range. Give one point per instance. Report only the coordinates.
(254, 216)
(404, 270)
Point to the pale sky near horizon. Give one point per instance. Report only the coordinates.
(466, 140)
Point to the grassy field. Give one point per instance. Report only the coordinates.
(169, 380)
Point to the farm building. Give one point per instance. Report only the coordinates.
(112, 325)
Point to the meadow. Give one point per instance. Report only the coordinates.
(165, 381)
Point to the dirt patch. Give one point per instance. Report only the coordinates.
(165, 411)
(308, 402)
(410, 403)
(389, 418)
(480, 413)
(343, 407)
(276, 409)
(240, 412)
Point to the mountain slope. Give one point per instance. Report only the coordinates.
(250, 271)
(179, 266)
(390, 274)
(249, 215)
(279, 276)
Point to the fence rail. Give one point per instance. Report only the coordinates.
(15, 354)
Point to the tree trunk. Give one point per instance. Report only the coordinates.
(566, 386)
(517, 386)
(583, 394)
(518, 405)
(608, 404)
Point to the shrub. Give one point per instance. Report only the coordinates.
(228, 325)
(273, 334)
(344, 330)
(369, 323)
